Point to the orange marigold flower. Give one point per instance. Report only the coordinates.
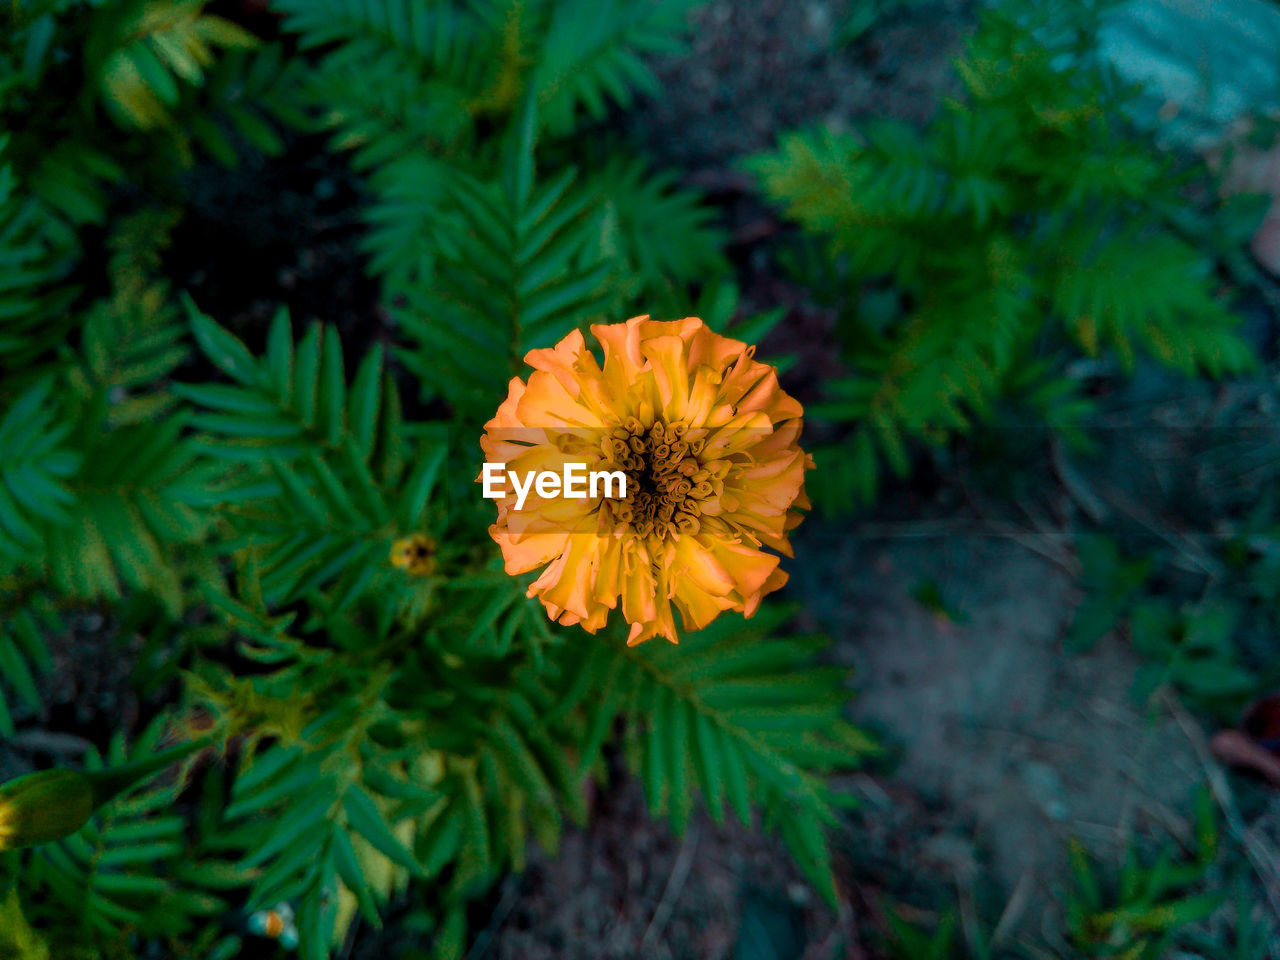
(708, 443)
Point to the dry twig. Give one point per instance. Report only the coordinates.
(671, 893)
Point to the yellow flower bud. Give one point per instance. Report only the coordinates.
(52, 804)
(44, 806)
(415, 555)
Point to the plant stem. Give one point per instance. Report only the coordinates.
(108, 784)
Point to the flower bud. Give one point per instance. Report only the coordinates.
(44, 806)
(52, 804)
(415, 555)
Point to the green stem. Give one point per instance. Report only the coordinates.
(108, 784)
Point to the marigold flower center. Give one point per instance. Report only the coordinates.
(667, 482)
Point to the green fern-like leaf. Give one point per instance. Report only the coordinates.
(293, 401)
(398, 74)
(34, 293)
(147, 495)
(111, 876)
(24, 658)
(461, 774)
(593, 52)
(131, 343)
(1122, 288)
(144, 50)
(1024, 219)
(327, 476)
(743, 718)
(35, 466)
(519, 268)
(306, 852)
(245, 93)
(663, 234)
(458, 61)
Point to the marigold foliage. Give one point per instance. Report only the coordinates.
(1026, 224)
(407, 723)
(482, 254)
(279, 526)
(128, 869)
